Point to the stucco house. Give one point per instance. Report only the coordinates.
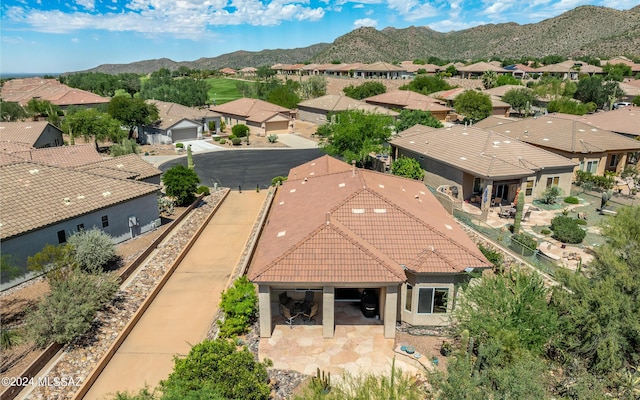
(44, 204)
(570, 69)
(37, 134)
(177, 123)
(25, 89)
(316, 110)
(472, 163)
(262, 118)
(380, 70)
(594, 149)
(333, 228)
(498, 107)
(476, 70)
(409, 100)
(624, 121)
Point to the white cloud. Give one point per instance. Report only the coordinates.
(359, 6)
(412, 10)
(88, 4)
(365, 22)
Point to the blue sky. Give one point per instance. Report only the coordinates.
(52, 36)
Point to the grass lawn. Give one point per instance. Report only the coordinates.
(223, 90)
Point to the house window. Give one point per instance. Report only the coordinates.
(553, 181)
(62, 237)
(432, 300)
(409, 297)
(589, 166)
(613, 161)
(80, 227)
(477, 185)
(529, 190)
(105, 221)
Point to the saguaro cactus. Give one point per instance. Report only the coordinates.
(190, 163)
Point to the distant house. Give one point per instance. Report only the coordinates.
(334, 230)
(522, 71)
(473, 163)
(46, 204)
(228, 71)
(37, 134)
(379, 70)
(478, 69)
(499, 107)
(596, 150)
(129, 166)
(316, 110)
(625, 120)
(409, 100)
(261, 117)
(248, 71)
(635, 67)
(415, 69)
(570, 69)
(62, 156)
(344, 70)
(177, 123)
(23, 90)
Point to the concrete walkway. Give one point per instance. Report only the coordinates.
(296, 141)
(183, 311)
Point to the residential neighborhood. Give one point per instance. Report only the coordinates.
(320, 220)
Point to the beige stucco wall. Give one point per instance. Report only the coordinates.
(427, 281)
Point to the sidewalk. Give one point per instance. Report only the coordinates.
(183, 311)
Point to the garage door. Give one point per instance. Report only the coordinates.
(278, 126)
(184, 134)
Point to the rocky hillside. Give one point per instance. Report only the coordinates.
(586, 30)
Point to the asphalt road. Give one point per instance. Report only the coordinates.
(245, 168)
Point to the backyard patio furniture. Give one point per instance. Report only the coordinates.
(288, 317)
(496, 201)
(306, 304)
(312, 313)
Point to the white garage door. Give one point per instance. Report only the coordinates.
(179, 135)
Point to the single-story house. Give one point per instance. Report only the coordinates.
(228, 71)
(129, 166)
(522, 71)
(596, 150)
(635, 67)
(476, 70)
(24, 89)
(345, 70)
(499, 107)
(37, 134)
(380, 70)
(414, 69)
(474, 163)
(316, 110)
(334, 230)
(409, 100)
(261, 117)
(177, 123)
(624, 120)
(570, 69)
(44, 205)
(61, 156)
(248, 71)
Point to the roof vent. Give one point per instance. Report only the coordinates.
(292, 190)
(34, 171)
(66, 201)
(357, 210)
(342, 185)
(80, 197)
(106, 194)
(381, 186)
(282, 233)
(448, 226)
(282, 202)
(312, 173)
(380, 210)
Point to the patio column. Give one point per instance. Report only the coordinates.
(328, 311)
(264, 304)
(486, 200)
(390, 312)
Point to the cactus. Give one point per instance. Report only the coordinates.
(190, 164)
(464, 340)
(321, 382)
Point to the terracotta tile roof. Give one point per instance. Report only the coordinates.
(570, 66)
(478, 151)
(409, 100)
(338, 102)
(57, 194)
(481, 67)
(23, 90)
(264, 116)
(128, 166)
(562, 134)
(357, 226)
(172, 113)
(22, 131)
(62, 156)
(380, 66)
(8, 146)
(624, 120)
(8, 158)
(245, 107)
(320, 166)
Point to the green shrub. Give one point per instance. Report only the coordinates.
(223, 141)
(92, 249)
(9, 337)
(581, 222)
(278, 180)
(180, 145)
(240, 306)
(272, 138)
(240, 130)
(126, 146)
(236, 141)
(217, 138)
(545, 231)
(70, 307)
(495, 257)
(567, 230)
(551, 194)
(596, 181)
(571, 200)
(231, 137)
(524, 243)
(181, 182)
(203, 189)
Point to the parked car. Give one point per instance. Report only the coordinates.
(621, 104)
(369, 303)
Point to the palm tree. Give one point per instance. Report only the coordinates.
(489, 79)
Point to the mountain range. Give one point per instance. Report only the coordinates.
(583, 31)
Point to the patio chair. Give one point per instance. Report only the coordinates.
(312, 313)
(306, 304)
(526, 215)
(496, 201)
(288, 318)
(504, 212)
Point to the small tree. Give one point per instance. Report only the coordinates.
(240, 130)
(92, 249)
(364, 90)
(409, 118)
(475, 106)
(181, 182)
(551, 194)
(407, 167)
(240, 305)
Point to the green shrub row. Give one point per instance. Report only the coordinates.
(600, 182)
(203, 189)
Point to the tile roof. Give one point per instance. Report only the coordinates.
(561, 134)
(481, 67)
(62, 156)
(128, 166)
(501, 90)
(56, 194)
(172, 113)
(408, 99)
(357, 226)
(338, 102)
(245, 107)
(22, 131)
(479, 152)
(624, 120)
(320, 166)
(380, 66)
(570, 66)
(23, 90)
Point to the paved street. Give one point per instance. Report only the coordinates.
(246, 168)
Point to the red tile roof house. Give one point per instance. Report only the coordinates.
(380, 70)
(595, 149)
(261, 117)
(36, 134)
(177, 123)
(23, 90)
(44, 204)
(333, 227)
(498, 107)
(482, 165)
(316, 110)
(409, 100)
